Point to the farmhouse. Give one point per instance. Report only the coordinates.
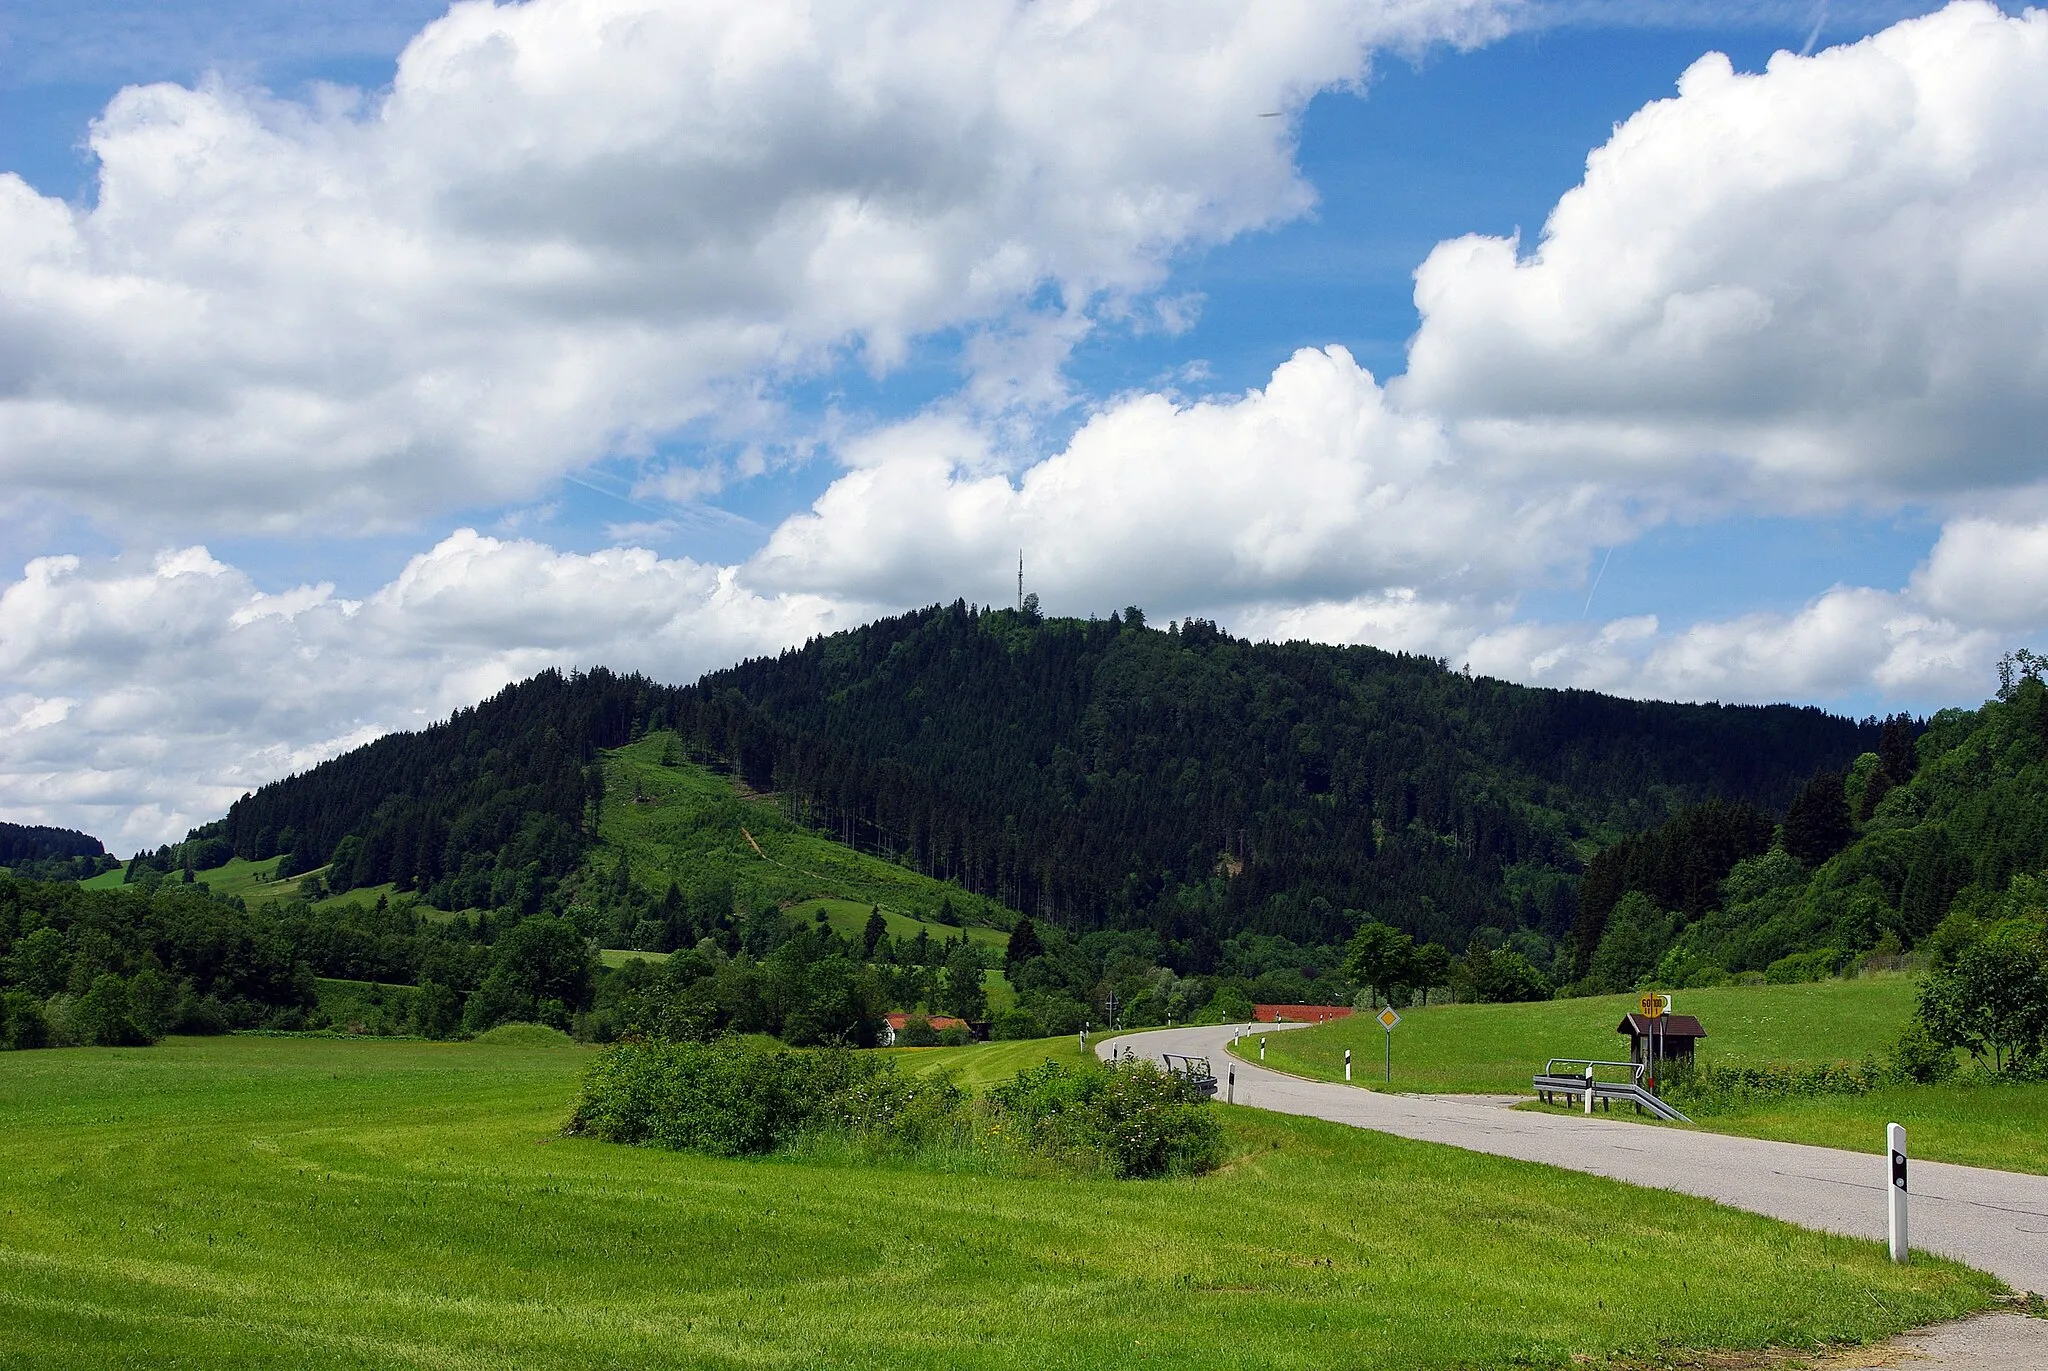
(892, 1025)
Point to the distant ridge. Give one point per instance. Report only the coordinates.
(34, 843)
(1097, 773)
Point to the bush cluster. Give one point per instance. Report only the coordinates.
(730, 1098)
(1132, 1120)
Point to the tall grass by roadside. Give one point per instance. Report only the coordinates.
(734, 1098)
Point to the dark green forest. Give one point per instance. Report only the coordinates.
(58, 854)
(1101, 773)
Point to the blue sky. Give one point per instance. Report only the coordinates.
(797, 444)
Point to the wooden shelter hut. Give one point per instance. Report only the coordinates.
(1670, 1038)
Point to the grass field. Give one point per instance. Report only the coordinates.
(1497, 1047)
(319, 1203)
(985, 1064)
(682, 822)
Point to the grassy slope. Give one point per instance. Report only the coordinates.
(985, 1064)
(684, 822)
(321, 1203)
(1497, 1047)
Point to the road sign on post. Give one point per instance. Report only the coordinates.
(1652, 1006)
(1895, 1140)
(1388, 1018)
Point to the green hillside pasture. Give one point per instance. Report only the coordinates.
(619, 956)
(1498, 1047)
(685, 822)
(984, 1064)
(363, 1006)
(851, 917)
(254, 882)
(314, 1203)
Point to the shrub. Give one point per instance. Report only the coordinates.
(724, 1098)
(917, 1032)
(1921, 1058)
(22, 1025)
(1801, 967)
(1138, 1121)
(1992, 998)
(731, 1099)
(955, 1037)
(1713, 1088)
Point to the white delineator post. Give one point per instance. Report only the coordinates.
(1895, 1141)
(1347, 1065)
(1262, 1049)
(1231, 1098)
(1589, 1090)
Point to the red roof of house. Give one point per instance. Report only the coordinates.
(1300, 1013)
(896, 1021)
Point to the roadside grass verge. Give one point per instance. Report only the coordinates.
(262, 1202)
(1999, 1124)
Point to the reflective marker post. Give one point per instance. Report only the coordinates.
(1262, 1049)
(1347, 1066)
(1895, 1139)
(1231, 1098)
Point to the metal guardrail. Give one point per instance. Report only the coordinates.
(1575, 1088)
(1635, 1069)
(1195, 1069)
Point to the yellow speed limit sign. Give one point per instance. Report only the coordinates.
(1653, 1006)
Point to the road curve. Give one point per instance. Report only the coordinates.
(1996, 1221)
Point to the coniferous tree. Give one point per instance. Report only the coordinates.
(1817, 826)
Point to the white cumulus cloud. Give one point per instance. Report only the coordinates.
(572, 226)
(1817, 285)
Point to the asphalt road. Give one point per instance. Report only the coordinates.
(1996, 1221)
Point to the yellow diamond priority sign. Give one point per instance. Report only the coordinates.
(1388, 1018)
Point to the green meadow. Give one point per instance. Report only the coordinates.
(1496, 1048)
(1481, 1048)
(682, 821)
(263, 1202)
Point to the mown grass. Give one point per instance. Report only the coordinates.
(1498, 1047)
(985, 1064)
(686, 822)
(320, 1203)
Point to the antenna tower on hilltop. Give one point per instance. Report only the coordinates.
(1020, 580)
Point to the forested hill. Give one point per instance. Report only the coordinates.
(1104, 772)
(1946, 830)
(1098, 773)
(32, 842)
(36, 852)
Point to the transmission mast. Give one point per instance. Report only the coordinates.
(1020, 580)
